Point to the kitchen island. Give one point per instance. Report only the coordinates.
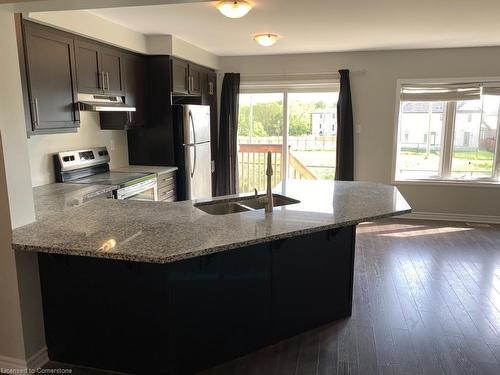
(151, 287)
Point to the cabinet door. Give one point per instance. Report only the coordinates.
(134, 74)
(134, 82)
(211, 86)
(111, 68)
(221, 305)
(180, 73)
(194, 79)
(312, 280)
(88, 70)
(51, 79)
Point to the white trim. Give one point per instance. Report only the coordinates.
(12, 363)
(37, 360)
(461, 183)
(451, 217)
(293, 86)
(284, 133)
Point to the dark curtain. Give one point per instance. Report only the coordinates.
(226, 168)
(344, 169)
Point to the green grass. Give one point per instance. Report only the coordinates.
(474, 155)
(471, 163)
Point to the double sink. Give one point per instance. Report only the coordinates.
(242, 204)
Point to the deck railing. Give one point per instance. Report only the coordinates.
(252, 160)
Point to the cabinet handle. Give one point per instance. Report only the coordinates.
(105, 82)
(100, 80)
(210, 88)
(36, 115)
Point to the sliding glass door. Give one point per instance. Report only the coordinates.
(312, 130)
(299, 129)
(260, 130)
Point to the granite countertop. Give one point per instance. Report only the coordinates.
(158, 232)
(145, 169)
(59, 197)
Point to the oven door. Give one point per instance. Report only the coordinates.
(142, 191)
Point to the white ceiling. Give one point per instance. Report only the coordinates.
(322, 25)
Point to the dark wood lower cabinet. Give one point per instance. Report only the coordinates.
(181, 317)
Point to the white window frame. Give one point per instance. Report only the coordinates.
(446, 141)
(286, 88)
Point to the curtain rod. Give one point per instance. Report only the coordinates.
(362, 71)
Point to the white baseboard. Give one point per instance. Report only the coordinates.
(12, 363)
(452, 217)
(37, 360)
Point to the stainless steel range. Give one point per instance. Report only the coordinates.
(91, 166)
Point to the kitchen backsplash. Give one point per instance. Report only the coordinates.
(42, 147)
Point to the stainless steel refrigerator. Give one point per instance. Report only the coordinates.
(193, 151)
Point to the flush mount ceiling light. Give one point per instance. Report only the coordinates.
(266, 39)
(234, 9)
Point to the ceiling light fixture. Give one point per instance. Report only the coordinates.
(266, 39)
(234, 9)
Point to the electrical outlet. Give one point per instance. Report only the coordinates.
(358, 128)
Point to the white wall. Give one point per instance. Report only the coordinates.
(21, 323)
(188, 51)
(90, 25)
(374, 101)
(42, 147)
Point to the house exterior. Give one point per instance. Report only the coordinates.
(324, 121)
(422, 126)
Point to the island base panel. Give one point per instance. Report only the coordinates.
(181, 317)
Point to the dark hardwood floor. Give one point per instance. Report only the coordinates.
(426, 301)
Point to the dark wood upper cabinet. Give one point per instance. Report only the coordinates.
(187, 78)
(111, 68)
(194, 79)
(135, 90)
(51, 79)
(208, 87)
(212, 85)
(180, 77)
(98, 69)
(134, 81)
(88, 70)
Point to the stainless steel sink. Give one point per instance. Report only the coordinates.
(235, 205)
(258, 202)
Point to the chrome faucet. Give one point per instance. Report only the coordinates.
(268, 198)
(269, 194)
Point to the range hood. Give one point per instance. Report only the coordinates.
(103, 103)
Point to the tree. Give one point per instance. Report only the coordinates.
(268, 118)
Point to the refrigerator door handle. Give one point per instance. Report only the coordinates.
(191, 120)
(194, 162)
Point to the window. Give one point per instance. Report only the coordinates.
(297, 126)
(448, 132)
(419, 151)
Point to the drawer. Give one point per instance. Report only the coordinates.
(166, 193)
(166, 179)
